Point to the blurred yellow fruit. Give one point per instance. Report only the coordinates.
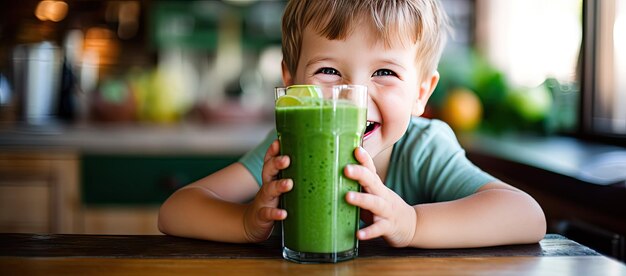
(462, 109)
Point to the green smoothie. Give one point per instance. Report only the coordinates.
(320, 139)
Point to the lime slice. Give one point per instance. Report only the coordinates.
(288, 100)
(304, 90)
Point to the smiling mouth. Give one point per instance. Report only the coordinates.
(370, 127)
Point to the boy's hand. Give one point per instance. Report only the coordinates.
(392, 218)
(263, 210)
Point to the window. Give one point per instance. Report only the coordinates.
(580, 43)
(531, 40)
(517, 46)
(604, 69)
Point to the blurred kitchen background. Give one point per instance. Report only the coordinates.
(107, 107)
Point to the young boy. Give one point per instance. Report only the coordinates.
(419, 189)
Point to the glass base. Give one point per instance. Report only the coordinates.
(307, 257)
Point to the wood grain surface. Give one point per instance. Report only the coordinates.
(581, 265)
(161, 246)
(53, 254)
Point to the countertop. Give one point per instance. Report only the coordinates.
(164, 246)
(29, 254)
(593, 163)
(218, 138)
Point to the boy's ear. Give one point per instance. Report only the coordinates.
(427, 87)
(287, 78)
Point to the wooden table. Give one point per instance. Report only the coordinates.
(51, 254)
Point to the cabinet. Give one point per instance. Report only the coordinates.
(126, 220)
(64, 192)
(107, 179)
(39, 192)
(121, 193)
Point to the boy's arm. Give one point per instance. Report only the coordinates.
(496, 214)
(211, 208)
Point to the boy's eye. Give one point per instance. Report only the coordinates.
(328, 71)
(384, 72)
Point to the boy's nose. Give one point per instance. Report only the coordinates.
(357, 76)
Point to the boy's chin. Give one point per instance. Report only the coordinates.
(369, 146)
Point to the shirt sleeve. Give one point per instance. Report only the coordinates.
(429, 165)
(253, 160)
(446, 172)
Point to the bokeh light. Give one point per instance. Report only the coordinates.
(51, 10)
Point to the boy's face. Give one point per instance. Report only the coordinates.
(390, 74)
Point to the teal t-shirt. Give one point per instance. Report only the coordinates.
(427, 164)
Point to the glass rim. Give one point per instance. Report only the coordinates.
(282, 90)
(320, 85)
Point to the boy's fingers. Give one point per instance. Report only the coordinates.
(269, 170)
(267, 214)
(373, 203)
(273, 166)
(282, 162)
(272, 151)
(364, 158)
(373, 231)
(367, 179)
(274, 189)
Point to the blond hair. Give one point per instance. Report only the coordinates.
(420, 21)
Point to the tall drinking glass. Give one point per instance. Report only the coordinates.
(318, 128)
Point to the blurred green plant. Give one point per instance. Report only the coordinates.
(547, 109)
(467, 69)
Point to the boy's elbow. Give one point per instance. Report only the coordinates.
(539, 224)
(531, 224)
(167, 217)
(161, 225)
(538, 232)
(162, 222)
(541, 228)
